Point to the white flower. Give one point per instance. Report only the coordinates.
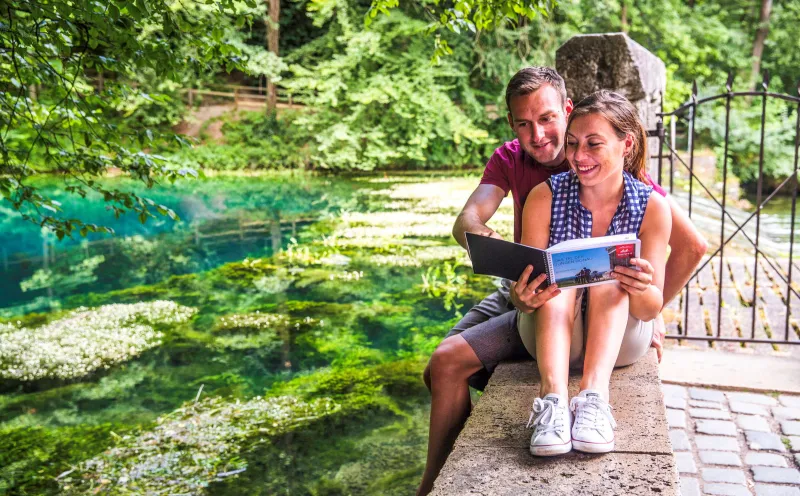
(86, 340)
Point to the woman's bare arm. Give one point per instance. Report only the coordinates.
(536, 233)
(654, 234)
(536, 217)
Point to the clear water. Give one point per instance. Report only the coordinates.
(366, 280)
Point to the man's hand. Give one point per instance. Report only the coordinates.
(659, 332)
(525, 297)
(487, 231)
(479, 209)
(634, 281)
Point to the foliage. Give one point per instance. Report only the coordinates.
(468, 15)
(744, 142)
(85, 340)
(31, 458)
(253, 140)
(442, 282)
(52, 117)
(378, 101)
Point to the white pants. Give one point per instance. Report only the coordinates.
(635, 343)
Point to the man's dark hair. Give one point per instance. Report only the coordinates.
(530, 79)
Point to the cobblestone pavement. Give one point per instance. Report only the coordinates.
(734, 443)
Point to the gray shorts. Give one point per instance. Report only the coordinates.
(490, 328)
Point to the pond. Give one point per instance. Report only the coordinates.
(271, 342)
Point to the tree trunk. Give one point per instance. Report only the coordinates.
(761, 37)
(273, 38)
(624, 16)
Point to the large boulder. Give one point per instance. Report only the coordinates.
(612, 61)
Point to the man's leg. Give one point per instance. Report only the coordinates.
(451, 365)
(494, 305)
(466, 357)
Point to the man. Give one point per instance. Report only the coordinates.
(538, 108)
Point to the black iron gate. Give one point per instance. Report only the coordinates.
(777, 270)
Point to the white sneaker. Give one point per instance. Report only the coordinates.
(593, 430)
(551, 426)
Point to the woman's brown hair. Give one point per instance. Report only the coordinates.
(624, 119)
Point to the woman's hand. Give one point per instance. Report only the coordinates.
(524, 295)
(635, 282)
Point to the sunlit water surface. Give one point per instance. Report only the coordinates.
(296, 315)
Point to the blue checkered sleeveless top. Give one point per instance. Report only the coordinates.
(569, 219)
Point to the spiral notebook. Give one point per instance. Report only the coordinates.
(575, 263)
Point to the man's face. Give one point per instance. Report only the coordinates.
(539, 120)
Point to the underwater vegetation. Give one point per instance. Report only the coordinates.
(294, 372)
(85, 340)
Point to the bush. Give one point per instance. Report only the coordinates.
(253, 140)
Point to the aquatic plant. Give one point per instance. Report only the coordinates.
(86, 340)
(443, 282)
(417, 257)
(251, 331)
(193, 446)
(261, 328)
(250, 322)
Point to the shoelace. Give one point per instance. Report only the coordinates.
(586, 411)
(549, 419)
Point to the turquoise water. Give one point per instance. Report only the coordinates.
(221, 219)
(287, 361)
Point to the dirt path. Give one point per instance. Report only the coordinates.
(196, 121)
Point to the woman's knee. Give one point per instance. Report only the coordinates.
(637, 340)
(454, 358)
(607, 294)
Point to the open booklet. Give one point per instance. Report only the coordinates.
(575, 263)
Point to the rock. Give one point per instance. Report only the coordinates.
(706, 394)
(720, 458)
(752, 423)
(765, 460)
(755, 398)
(727, 475)
(764, 441)
(775, 474)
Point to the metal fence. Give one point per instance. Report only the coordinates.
(770, 315)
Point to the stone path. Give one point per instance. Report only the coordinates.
(734, 443)
(735, 276)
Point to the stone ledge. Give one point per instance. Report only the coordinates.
(491, 454)
(503, 471)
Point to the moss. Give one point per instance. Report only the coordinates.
(192, 446)
(31, 319)
(353, 454)
(32, 457)
(368, 356)
(241, 274)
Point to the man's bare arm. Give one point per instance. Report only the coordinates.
(687, 249)
(480, 207)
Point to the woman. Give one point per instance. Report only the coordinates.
(604, 193)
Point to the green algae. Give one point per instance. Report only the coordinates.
(354, 327)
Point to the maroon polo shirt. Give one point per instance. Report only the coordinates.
(511, 169)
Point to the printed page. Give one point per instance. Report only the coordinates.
(590, 266)
(583, 243)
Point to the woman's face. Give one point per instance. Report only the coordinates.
(594, 151)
